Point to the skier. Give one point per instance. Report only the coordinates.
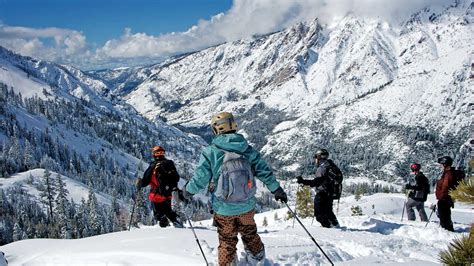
(231, 161)
(418, 194)
(163, 179)
(323, 201)
(443, 185)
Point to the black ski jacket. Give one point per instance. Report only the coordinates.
(321, 181)
(421, 189)
(166, 174)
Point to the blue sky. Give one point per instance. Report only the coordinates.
(93, 34)
(101, 20)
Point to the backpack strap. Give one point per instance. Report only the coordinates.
(331, 166)
(211, 187)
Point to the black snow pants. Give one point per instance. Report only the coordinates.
(163, 212)
(444, 214)
(323, 210)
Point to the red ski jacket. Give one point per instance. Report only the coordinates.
(444, 184)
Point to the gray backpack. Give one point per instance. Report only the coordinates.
(236, 183)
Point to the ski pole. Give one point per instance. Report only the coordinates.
(197, 239)
(312, 238)
(404, 205)
(133, 211)
(337, 210)
(294, 219)
(433, 209)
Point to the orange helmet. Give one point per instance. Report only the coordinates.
(158, 151)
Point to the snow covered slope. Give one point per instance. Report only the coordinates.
(374, 238)
(60, 118)
(42, 78)
(122, 80)
(30, 180)
(30, 77)
(378, 94)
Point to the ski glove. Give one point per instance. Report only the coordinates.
(138, 183)
(299, 179)
(408, 186)
(280, 195)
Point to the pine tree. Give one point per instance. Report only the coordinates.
(14, 159)
(94, 213)
(81, 217)
(115, 206)
(48, 193)
(28, 156)
(460, 251)
(141, 210)
(62, 208)
(356, 211)
(113, 221)
(357, 195)
(18, 233)
(464, 192)
(6, 229)
(47, 162)
(4, 204)
(304, 202)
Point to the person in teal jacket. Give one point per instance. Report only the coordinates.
(233, 213)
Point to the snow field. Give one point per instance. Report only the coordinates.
(362, 240)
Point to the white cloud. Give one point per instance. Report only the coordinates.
(74, 43)
(250, 17)
(55, 44)
(24, 32)
(244, 19)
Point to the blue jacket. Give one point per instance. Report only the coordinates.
(209, 167)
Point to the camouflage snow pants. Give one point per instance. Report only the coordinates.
(228, 227)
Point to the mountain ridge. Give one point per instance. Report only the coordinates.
(356, 73)
(308, 86)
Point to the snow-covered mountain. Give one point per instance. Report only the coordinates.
(376, 237)
(49, 82)
(122, 80)
(378, 94)
(43, 77)
(71, 123)
(59, 118)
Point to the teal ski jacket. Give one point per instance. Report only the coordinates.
(209, 167)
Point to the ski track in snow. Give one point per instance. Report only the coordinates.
(361, 240)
